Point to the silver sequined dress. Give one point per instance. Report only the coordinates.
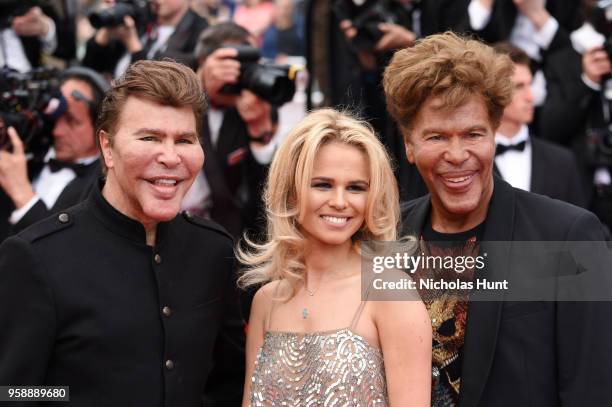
(331, 368)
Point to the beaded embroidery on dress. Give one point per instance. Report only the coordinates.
(331, 368)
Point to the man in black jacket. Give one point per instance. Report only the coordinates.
(523, 159)
(448, 95)
(173, 34)
(121, 298)
(237, 136)
(575, 115)
(34, 189)
(28, 33)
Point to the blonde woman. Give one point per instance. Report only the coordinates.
(311, 338)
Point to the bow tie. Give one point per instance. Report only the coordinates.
(501, 148)
(56, 165)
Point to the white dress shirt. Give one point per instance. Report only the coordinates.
(515, 166)
(12, 53)
(524, 35)
(48, 186)
(198, 199)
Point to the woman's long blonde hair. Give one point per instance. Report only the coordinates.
(281, 257)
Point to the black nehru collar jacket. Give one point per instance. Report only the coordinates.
(91, 306)
(122, 225)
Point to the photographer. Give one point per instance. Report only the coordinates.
(25, 34)
(33, 190)
(237, 136)
(158, 29)
(577, 108)
(348, 46)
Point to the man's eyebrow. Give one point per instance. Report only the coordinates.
(159, 132)
(433, 130)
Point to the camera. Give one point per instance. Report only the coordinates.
(13, 8)
(271, 82)
(30, 102)
(139, 10)
(365, 16)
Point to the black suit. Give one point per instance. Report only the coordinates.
(87, 304)
(504, 13)
(180, 46)
(236, 179)
(555, 173)
(541, 354)
(76, 191)
(571, 109)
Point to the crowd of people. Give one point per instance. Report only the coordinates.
(178, 231)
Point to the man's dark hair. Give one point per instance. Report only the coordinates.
(217, 35)
(98, 84)
(517, 55)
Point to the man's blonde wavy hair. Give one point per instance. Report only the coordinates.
(281, 257)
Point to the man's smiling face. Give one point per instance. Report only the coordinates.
(454, 149)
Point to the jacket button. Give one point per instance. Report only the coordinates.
(166, 311)
(169, 364)
(157, 259)
(63, 218)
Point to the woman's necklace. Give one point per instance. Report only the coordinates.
(311, 293)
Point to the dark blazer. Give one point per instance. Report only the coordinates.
(180, 46)
(76, 191)
(235, 177)
(543, 354)
(89, 305)
(555, 173)
(571, 109)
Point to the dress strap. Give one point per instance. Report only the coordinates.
(269, 316)
(362, 304)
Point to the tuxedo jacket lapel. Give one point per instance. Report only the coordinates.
(496, 170)
(484, 316)
(79, 188)
(35, 166)
(414, 215)
(214, 170)
(538, 169)
(181, 32)
(228, 134)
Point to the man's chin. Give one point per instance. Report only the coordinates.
(59, 156)
(163, 211)
(460, 205)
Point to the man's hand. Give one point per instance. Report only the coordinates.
(596, 64)
(14, 172)
(126, 33)
(534, 10)
(255, 112)
(488, 4)
(347, 28)
(34, 23)
(394, 37)
(219, 69)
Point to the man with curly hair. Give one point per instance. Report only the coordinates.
(448, 94)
